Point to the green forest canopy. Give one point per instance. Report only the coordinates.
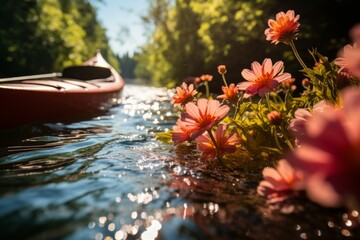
(186, 38)
(39, 36)
(193, 37)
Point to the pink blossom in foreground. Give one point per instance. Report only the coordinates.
(284, 29)
(329, 155)
(226, 143)
(263, 78)
(184, 94)
(280, 183)
(198, 118)
(349, 61)
(302, 116)
(354, 33)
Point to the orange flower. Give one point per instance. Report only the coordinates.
(284, 29)
(198, 118)
(206, 78)
(262, 78)
(225, 143)
(230, 93)
(183, 94)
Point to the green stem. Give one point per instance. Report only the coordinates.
(277, 139)
(268, 101)
(215, 144)
(223, 78)
(287, 140)
(292, 45)
(237, 106)
(207, 89)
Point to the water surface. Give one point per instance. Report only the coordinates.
(107, 177)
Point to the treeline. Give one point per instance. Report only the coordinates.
(39, 36)
(193, 37)
(187, 38)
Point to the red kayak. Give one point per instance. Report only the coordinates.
(84, 90)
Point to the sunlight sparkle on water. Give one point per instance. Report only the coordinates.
(355, 213)
(133, 187)
(152, 231)
(120, 235)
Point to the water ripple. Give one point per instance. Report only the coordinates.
(108, 178)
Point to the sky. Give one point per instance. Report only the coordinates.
(123, 24)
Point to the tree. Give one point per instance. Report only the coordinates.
(128, 65)
(95, 37)
(194, 37)
(38, 36)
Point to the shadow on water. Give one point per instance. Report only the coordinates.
(31, 137)
(30, 159)
(108, 178)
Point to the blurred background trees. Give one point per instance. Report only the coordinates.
(40, 36)
(193, 37)
(186, 38)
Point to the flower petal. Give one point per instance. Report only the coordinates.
(282, 77)
(267, 66)
(256, 68)
(248, 75)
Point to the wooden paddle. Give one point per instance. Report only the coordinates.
(38, 76)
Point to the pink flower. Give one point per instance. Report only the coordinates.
(284, 29)
(329, 155)
(226, 143)
(183, 94)
(262, 78)
(230, 93)
(349, 61)
(198, 118)
(280, 183)
(181, 132)
(302, 116)
(354, 33)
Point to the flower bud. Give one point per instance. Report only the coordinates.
(222, 69)
(288, 83)
(305, 82)
(275, 117)
(206, 78)
(197, 80)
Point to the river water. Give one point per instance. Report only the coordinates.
(109, 178)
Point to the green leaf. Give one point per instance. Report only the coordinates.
(165, 137)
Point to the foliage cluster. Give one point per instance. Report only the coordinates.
(39, 36)
(191, 38)
(311, 140)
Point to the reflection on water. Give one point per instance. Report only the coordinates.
(108, 178)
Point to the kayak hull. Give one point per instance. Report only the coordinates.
(57, 99)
